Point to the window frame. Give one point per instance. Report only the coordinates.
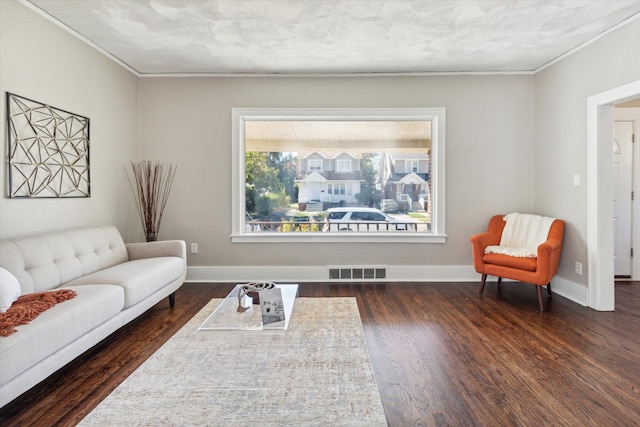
(340, 163)
(437, 116)
(311, 165)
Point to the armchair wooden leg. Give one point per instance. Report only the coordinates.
(482, 282)
(539, 289)
(549, 289)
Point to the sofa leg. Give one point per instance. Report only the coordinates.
(172, 300)
(549, 289)
(482, 282)
(539, 288)
(499, 281)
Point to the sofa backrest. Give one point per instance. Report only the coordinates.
(46, 261)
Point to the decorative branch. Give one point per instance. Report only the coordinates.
(153, 183)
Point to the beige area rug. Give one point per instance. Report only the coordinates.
(318, 373)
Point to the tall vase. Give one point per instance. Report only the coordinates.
(151, 184)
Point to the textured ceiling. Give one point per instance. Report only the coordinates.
(337, 36)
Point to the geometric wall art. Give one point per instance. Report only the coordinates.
(48, 151)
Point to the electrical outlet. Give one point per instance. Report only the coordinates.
(194, 248)
(578, 268)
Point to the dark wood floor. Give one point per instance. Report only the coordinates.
(442, 355)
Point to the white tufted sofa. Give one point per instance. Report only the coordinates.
(115, 283)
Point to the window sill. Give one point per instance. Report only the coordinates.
(339, 237)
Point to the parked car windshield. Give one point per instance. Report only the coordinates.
(336, 215)
(368, 216)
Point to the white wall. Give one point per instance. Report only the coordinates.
(40, 61)
(560, 133)
(489, 150)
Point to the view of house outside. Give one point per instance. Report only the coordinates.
(293, 191)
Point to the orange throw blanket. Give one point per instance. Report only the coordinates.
(28, 307)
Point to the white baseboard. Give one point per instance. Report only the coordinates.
(396, 273)
(570, 290)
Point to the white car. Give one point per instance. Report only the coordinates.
(388, 205)
(361, 219)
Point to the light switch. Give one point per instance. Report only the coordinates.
(576, 180)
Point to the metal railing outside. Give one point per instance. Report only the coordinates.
(286, 226)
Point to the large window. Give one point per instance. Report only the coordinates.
(293, 167)
(335, 189)
(315, 164)
(343, 165)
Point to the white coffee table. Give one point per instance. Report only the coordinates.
(226, 316)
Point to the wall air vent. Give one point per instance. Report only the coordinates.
(358, 273)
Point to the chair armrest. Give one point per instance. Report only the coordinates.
(482, 240)
(177, 248)
(549, 257)
(549, 246)
(478, 243)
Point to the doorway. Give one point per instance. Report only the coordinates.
(600, 119)
(625, 163)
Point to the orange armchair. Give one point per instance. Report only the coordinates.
(537, 271)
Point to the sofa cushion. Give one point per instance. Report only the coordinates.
(9, 289)
(44, 262)
(139, 278)
(529, 264)
(58, 326)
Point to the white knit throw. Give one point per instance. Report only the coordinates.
(522, 235)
